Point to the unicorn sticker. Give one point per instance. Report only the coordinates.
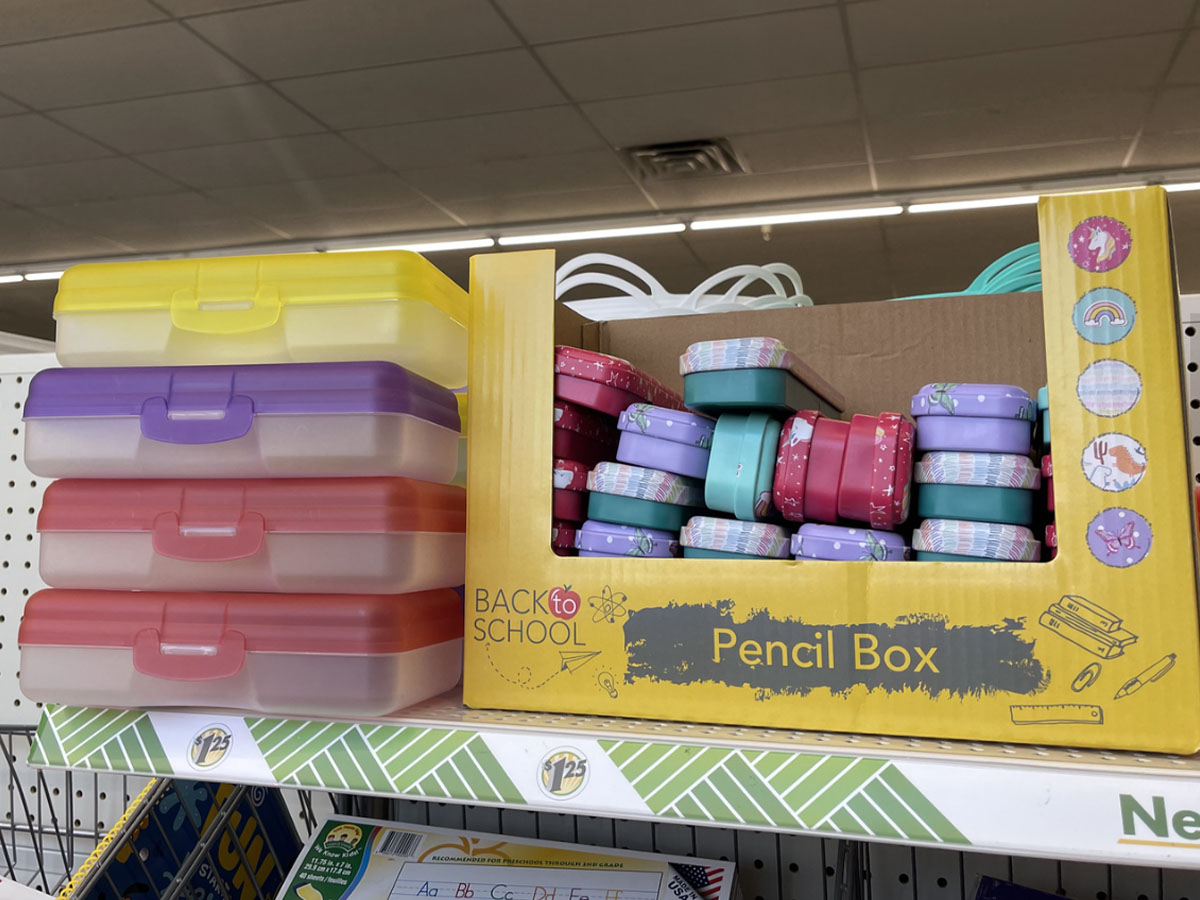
(1103, 244)
(1099, 243)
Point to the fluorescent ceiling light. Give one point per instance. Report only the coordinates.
(11, 279)
(1183, 186)
(987, 203)
(516, 240)
(43, 276)
(430, 247)
(820, 215)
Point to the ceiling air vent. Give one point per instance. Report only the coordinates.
(684, 159)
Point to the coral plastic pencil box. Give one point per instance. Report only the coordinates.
(357, 535)
(296, 307)
(283, 654)
(304, 419)
(753, 374)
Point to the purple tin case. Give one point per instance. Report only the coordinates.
(815, 541)
(666, 439)
(605, 539)
(975, 434)
(991, 401)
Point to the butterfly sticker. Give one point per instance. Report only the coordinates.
(638, 414)
(941, 395)
(642, 544)
(1114, 542)
(876, 549)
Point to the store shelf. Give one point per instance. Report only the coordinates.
(1059, 803)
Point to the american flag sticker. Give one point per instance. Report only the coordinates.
(706, 880)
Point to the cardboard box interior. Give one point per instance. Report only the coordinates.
(877, 354)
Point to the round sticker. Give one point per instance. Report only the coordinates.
(563, 773)
(1119, 537)
(1099, 244)
(1104, 315)
(209, 746)
(1114, 462)
(1109, 387)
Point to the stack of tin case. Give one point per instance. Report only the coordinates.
(977, 478)
(255, 509)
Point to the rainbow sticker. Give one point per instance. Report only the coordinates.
(1104, 315)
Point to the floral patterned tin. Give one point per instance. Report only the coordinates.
(666, 439)
(607, 539)
(707, 537)
(815, 541)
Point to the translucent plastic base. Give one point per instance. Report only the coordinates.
(275, 683)
(308, 446)
(416, 335)
(362, 563)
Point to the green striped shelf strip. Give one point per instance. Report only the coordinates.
(100, 739)
(838, 794)
(427, 762)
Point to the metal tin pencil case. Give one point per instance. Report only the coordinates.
(605, 383)
(570, 490)
(748, 374)
(975, 418)
(644, 498)
(667, 439)
(741, 467)
(705, 537)
(951, 540)
(582, 434)
(834, 542)
(297, 419)
(980, 487)
(607, 539)
(295, 307)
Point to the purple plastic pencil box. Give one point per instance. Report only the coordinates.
(606, 539)
(667, 439)
(815, 541)
(974, 418)
(293, 419)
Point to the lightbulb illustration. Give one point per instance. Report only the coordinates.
(606, 681)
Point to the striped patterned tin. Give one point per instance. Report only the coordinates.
(1006, 470)
(645, 484)
(733, 536)
(987, 540)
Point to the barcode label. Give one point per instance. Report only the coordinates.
(400, 844)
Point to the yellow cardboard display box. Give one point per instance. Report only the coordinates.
(1097, 648)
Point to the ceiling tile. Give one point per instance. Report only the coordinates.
(801, 148)
(381, 190)
(31, 139)
(113, 65)
(199, 7)
(163, 222)
(758, 48)
(1098, 67)
(35, 20)
(466, 86)
(1187, 65)
(532, 207)
(725, 111)
(781, 186)
(71, 182)
(262, 162)
(28, 237)
(245, 113)
(1053, 119)
(507, 135)
(1003, 166)
(539, 175)
(1175, 109)
(1178, 149)
(315, 36)
(334, 223)
(542, 21)
(887, 32)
